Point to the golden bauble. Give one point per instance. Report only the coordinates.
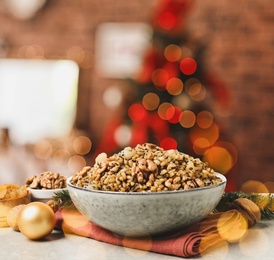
(36, 220)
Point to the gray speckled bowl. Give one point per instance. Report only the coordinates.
(146, 213)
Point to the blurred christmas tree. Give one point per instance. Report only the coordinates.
(173, 96)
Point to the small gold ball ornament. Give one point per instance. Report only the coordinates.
(36, 220)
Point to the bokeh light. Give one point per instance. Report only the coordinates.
(88, 60)
(174, 86)
(188, 66)
(82, 145)
(186, 52)
(160, 77)
(75, 53)
(112, 97)
(232, 226)
(195, 89)
(84, 58)
(136, 112)
(189, 82)
(61, 157)
(204, 119)
(43, 149)
(211, 134)
(122, 135)
(207, 250)
(151, 101)
(172, 52)
(33, 51)
(183, 101)
(200, 145)
(255, 239)
(169, 143)
(270, 187)
(174, 114)
(201, 95)
(166, 20)
(253, 186)
(188, 119)
(73, 218)
(219, 159)
(162, 110)
(76, 162)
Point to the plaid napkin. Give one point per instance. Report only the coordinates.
(216, 228)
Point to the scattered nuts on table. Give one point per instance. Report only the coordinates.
(249, 209)
(47, 180)
(146, 167)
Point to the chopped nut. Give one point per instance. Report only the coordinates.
(146, 167)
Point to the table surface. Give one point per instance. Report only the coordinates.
(258, 244)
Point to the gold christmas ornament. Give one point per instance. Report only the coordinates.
(36, 220)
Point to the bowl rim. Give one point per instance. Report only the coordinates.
(134, 193)
(46, 190)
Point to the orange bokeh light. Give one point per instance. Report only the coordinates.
(82, 145)
(162, 110)
(204, 119)
(211, 133)
(151, 101)
(200, 145)
(174, 86)
(232, 226)
(172, 52)
(188, 119)
(219, 159)
(253, 186)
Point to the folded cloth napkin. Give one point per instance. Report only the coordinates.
(216, 228)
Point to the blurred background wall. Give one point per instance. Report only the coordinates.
(240, 48)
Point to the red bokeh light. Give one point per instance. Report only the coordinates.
(169, 143)
(174, 114)
(188, 66)
(136, 112)
(167, 20)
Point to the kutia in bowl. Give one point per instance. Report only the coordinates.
(146, 190)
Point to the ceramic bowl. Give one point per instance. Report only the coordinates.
(8, 204)
(146, 213)
(43, 195)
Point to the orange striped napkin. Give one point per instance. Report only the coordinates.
(216, 228)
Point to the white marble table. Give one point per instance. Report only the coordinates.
(258, 244)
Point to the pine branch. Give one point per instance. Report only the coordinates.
(64, 200)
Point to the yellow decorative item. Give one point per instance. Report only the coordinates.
(36, 220)
(11, 195)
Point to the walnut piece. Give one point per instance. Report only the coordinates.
(249, 210)
(47, 180)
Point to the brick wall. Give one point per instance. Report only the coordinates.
(240, 40)
(241, 50)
